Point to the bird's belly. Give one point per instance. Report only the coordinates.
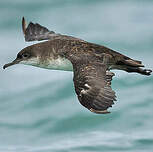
(58, 64)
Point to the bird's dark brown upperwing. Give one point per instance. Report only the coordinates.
(93, 87)
(37, 32)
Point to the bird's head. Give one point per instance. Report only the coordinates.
(25, 56)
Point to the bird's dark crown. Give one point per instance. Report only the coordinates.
(25, 53)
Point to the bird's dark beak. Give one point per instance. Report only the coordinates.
(16, 61)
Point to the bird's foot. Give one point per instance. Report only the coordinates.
(147, 72)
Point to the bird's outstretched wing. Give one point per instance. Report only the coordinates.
(93, 87)
(37, 32)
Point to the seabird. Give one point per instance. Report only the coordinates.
(91, 64)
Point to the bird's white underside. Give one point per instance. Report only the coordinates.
(53, 64)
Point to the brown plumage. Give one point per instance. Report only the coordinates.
(90, 63)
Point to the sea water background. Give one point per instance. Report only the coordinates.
(39, 111)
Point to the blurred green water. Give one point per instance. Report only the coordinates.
(39, 111)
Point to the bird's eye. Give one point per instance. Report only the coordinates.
(25, 55)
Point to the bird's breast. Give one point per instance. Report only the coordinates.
(59, 63)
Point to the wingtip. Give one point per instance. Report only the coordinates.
(23, 25)
(23, 18)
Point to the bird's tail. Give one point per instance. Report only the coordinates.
(131, 65)
(139, 70)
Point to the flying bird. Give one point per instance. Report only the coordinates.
(91, 64)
